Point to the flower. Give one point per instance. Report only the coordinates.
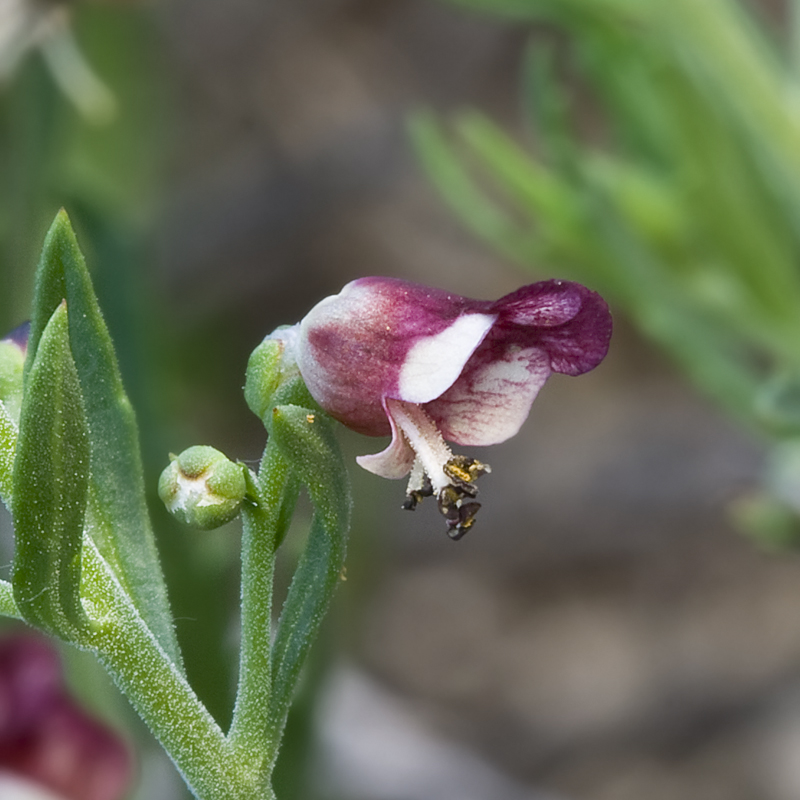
(390, 357)
(50, 749)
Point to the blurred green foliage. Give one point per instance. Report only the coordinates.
(108, 174)
(679, 199)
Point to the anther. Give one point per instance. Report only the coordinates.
(415, 496)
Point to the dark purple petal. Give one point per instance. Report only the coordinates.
(553, 326)
(543, 304)
(72, 754)
(575, 329)
(46, 737)
(19, 336)
(30, 679)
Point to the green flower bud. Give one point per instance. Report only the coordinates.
(12, 361)
(202, 488)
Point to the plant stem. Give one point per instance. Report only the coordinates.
(160, 693)
(260, 534)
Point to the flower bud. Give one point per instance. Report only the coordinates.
(13, 349)
(202, 488)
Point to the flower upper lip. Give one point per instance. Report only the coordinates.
(388, 338)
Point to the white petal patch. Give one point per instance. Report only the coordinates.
(15, 787)
(434, 363)
(491, 401)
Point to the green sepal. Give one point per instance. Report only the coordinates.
(273, 378)
(119, 522)
(50, 488)
(307, 442)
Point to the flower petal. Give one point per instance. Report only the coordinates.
(544, 304)
(19, 336)
(434, 362)
(46, 737)
(493, 396)
(30, 679)
(567, 320)
(75, 756)
(13, 787)
(395, 461)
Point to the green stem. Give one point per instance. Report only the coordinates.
(313, 585)
(260, 535)
(307, 440)
(159, 692)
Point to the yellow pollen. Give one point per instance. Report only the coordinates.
(454, 471)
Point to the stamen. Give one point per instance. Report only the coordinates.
(437, 471)
(465, 470)
(425, 438)
(419, 487)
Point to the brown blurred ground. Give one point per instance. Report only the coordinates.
(603, 632)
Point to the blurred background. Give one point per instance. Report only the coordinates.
(623, 622)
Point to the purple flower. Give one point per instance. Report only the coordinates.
(49, 747)
(19, 337)
(389, 357)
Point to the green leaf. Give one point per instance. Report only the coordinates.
(307, 442)
(119, 522)
(51, 481)
(456, 183)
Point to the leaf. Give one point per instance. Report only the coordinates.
(308, 444)
(51, 482)
(457, 184)
(120, 525)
